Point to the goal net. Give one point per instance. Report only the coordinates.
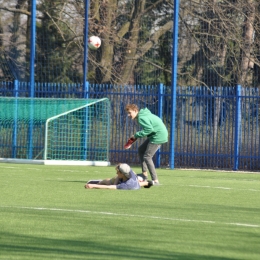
(55, 131)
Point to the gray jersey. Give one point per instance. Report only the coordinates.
(131, 184)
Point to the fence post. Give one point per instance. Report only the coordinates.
(160, 113)
(85, 62)
(174, 79)
(237, 127)
(85, 123)
(32, 46)
(14, 145)
(32, 79)
(85, 78)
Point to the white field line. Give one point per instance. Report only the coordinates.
(244, 225)
(66, 171)
(132, 215)
(222, 188)
(36, 169)
(212, 170)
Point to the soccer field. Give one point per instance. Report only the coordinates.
(45, 213)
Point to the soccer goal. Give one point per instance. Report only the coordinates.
(55, 131)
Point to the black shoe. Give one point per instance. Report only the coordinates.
(145, 178)
(142, 177)
(150, 183)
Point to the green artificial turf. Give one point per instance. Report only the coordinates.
(45, 213)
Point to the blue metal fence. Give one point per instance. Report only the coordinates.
(215, 128)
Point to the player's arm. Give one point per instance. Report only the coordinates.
(116, 181)
(147, 128)
(97, 186)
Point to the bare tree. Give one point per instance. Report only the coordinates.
(218, 40)
(247, 40)
(125, 37)
(223, 49)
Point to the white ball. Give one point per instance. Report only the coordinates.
(94, 42)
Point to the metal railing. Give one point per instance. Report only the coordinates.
(215, 128)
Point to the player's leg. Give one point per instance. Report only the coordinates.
(141, 152)
(148, 159)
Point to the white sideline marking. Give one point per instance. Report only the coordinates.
(132, 215)
(222, 188)
(199, 186)
(244, 225)
(66, 171)
(36, 169)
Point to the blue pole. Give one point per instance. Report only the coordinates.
(85, 62)
(160, 113)
(32, 60)
(174, 78)
(32, 46)
(237, 128)
(14, 146)
(85, 126)
(85, 82)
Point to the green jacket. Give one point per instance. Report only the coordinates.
(153, 127)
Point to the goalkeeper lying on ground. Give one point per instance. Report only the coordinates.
(126, 179)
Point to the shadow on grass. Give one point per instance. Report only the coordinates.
(31, 247)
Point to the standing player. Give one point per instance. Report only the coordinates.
(156, 132)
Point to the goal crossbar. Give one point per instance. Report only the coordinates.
(55, 131)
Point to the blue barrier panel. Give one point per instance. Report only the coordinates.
(207, 132)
